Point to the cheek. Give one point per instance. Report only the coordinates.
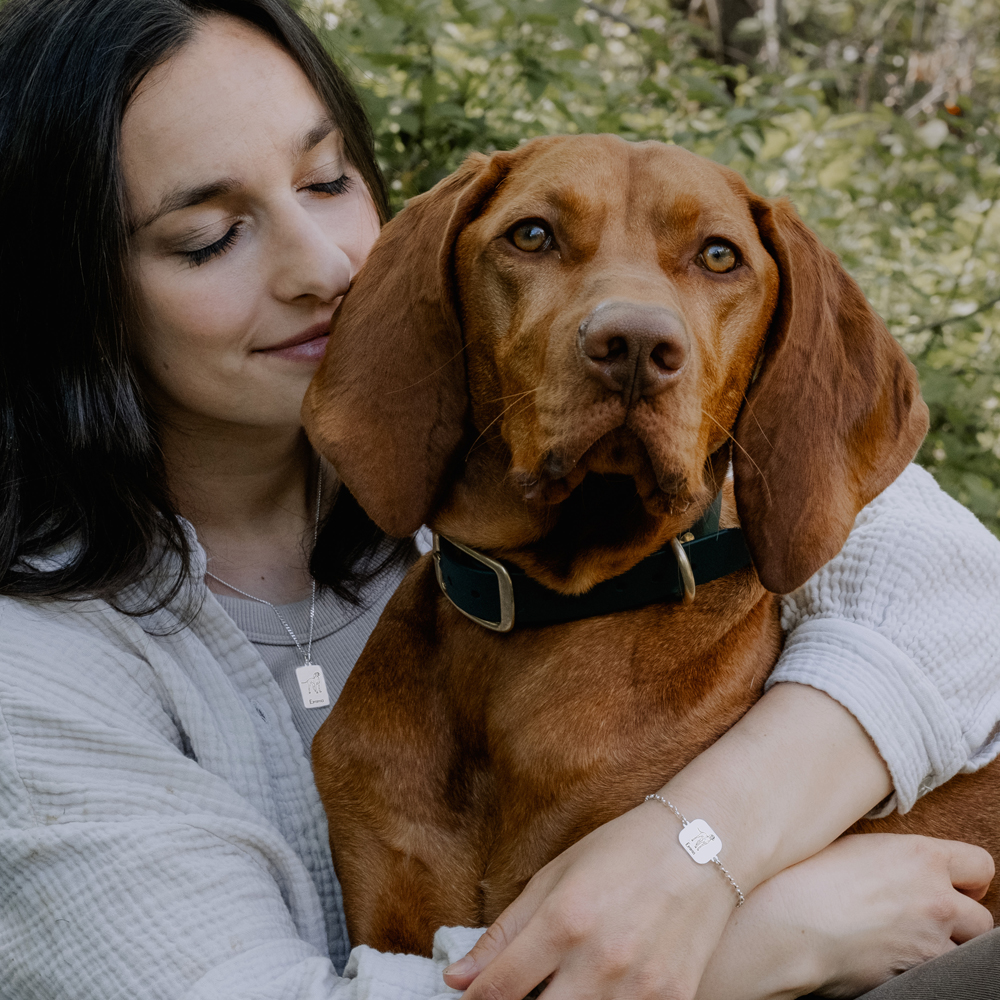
(733, 334)
(367, 230)
(195, 330)
(743, 329)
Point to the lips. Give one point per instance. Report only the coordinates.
(308, 346)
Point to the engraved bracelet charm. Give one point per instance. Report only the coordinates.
(700, 841)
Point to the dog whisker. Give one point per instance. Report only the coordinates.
(441, 368)
(514, 395)
(729, 434)
(749, 409)
(500, 415)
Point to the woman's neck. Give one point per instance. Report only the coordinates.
(250, 493)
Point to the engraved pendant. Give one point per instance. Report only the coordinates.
(700, 841)
(312, 685)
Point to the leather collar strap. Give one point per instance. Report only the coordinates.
(495, 593)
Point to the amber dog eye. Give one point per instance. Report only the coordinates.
(719, 257)
(530, 236)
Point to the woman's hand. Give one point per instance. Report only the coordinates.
(625, 913)
(863, 910)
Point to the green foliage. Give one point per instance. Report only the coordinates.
(879, 121)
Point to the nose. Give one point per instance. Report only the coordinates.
(308, 260)
(634, 348)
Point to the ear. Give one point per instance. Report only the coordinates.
(833, 418)
(387, 406)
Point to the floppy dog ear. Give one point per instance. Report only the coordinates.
(387, 406)
(833, 418)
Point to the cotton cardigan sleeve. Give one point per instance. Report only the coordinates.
(160, 833)
(902, 628)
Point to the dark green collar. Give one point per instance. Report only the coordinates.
(495, 593)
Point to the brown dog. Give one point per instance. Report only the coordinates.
(552, 357)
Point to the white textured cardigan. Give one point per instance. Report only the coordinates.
(161, 837)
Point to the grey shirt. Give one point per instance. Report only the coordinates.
(340, 631)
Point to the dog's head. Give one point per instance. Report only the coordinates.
(554, 353)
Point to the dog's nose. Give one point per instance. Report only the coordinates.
(634, 348)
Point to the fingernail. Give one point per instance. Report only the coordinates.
(462, 967)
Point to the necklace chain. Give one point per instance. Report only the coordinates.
(307, 652)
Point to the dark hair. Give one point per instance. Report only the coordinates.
(80, 465)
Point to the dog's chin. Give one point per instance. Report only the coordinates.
(607, 514)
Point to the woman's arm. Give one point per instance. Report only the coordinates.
(853, 916)
(154, 820)
(901, 627)
(625, 911)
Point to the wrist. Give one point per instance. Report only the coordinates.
(686, 879)
(788, 779)
(766, 952)
(700, 842)
(748, 846)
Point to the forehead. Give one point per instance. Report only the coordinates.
(223, 103)
(600, 179)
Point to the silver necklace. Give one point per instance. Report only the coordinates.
(312, 682)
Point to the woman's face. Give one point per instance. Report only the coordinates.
(249, 226)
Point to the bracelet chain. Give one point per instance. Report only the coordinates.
(669, 805)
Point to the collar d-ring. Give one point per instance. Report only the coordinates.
(684, 565)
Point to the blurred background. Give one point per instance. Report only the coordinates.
(880, 120)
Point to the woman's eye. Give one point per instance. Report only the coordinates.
(339, 186)
(719, 257)
(216, 249)
(531, 236)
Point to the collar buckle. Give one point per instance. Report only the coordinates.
(504, 584)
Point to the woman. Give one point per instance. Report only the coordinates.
(199, 182)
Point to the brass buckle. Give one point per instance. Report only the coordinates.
(504, 583)
(687, 574)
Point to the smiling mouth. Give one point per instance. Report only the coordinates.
(310, 345)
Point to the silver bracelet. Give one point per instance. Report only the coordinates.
(700, 841)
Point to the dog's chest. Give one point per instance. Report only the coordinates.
(642, 691)
(482, 756)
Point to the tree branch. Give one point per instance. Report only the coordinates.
(605, 12)
(953, 319)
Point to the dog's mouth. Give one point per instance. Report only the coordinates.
(618, 456)
(603, 514)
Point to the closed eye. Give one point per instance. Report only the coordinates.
(216, 249)
(339, 186)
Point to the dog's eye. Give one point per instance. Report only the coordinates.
(719, 257)
(530, 236)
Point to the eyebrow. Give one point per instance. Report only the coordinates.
(314, 136)
(188, 197)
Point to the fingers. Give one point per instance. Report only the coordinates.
(971, 868)
(460, 974)
(499, 936)
(523, 964)
(970, 920)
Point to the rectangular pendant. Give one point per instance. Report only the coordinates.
(700, 841)
(312, 684)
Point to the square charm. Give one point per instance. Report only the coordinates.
(312, 684)
(700, 841)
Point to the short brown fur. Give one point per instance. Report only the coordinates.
(457, 761)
